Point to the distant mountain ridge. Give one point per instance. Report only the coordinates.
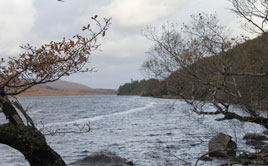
(65, 88)
(60, 84)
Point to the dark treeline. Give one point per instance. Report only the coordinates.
(141, 88)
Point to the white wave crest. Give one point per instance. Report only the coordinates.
(97, 118)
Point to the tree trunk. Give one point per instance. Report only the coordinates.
(31, 143)
(25, 138)
(9, 111)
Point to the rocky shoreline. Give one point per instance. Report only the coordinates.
(223, 147)
(220, 146)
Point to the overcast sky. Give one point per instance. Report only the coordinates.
(123, 48)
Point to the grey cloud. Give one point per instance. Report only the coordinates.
(123, 47)
(16, 20)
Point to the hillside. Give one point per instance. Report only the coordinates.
(248, 57)
(65, 88)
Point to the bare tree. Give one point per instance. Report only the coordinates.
(254, 12)
(160, 64)
(208, 71)
(36, 66)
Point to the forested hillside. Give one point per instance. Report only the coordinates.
(248, 57)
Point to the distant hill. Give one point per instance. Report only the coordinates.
(65, 88)
(60, 84)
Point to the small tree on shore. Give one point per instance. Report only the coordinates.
(36, 66)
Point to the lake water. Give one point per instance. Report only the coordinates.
(145, 130)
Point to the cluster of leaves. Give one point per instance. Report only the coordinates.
(50, 62)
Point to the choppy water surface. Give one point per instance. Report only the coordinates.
(147, 131)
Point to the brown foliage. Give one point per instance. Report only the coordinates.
(49, 62)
